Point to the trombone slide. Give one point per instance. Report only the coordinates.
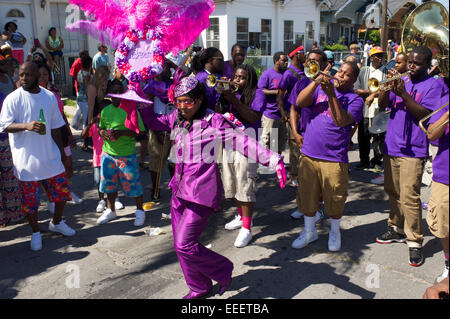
(430, 115)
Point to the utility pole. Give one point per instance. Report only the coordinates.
(384, 29)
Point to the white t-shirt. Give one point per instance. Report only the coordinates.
(36, 157)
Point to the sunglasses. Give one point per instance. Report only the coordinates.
(188, 104)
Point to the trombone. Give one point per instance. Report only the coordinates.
(221, 85)
(312, 70)
(430, 115)
(385, 85)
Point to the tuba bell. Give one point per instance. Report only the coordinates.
(427, 25)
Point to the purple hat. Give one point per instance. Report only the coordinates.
(182, 87)
(132, 94)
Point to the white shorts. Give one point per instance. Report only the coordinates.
(239, 176)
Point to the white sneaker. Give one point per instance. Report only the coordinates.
(36, 241)
(444, 273)
(296, 214)
(243, 238)
(305, 238)
(51, 207)
(75, 199)
(118, 205)
(234, 224)
(101, 206)
(107, 215)
(61, 228)
(334, 241)
(140, 218)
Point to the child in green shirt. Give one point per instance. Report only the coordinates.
(119, 163)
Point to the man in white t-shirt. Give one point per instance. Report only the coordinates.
(377, 56)
(37, 149)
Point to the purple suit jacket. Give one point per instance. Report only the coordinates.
(197, 177)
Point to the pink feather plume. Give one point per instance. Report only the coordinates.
(180, 22)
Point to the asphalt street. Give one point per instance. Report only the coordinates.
(119, 260)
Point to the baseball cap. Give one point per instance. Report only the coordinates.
(375, 50)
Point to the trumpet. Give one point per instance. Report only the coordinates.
(385, 85)
(430, 115)
(312, 70)
(221, 85)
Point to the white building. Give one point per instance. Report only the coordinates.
(273, 24)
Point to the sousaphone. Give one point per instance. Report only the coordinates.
(427, 26)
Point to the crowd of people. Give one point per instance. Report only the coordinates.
(252, 119)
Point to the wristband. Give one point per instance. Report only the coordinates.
(67, 151)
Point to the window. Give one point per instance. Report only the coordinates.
(212, 33)
(309, 30)
(300, 39)
(266, 36)
(242, 36)
(15, 13)
(288, 35)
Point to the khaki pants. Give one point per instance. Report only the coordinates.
(294, 155)
(402, 180)
(271, 127)
(437, 216)
(318, 177)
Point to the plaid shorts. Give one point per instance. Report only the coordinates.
(123, 170)
(57, 188)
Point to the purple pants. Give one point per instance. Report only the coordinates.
(199, 264)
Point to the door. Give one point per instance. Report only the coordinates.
(21, 15)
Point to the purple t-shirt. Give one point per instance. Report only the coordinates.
(269, 80)
(211, 94)
(440, 162)
(252, 126)
(228, 70)
(404, 138)
(304, 112)
(288, 82)
(323, 139)
(2, 97)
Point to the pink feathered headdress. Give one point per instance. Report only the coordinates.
(143, 31)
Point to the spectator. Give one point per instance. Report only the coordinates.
(118, 161)
(367, 48)
(54, 45)
(10, 200)
(76, 67)
(6, 84)
(354, 52)
(101, 58)
(370, 108)
(17, 40)
(37, 150)
(83, 79)
(13, 64)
